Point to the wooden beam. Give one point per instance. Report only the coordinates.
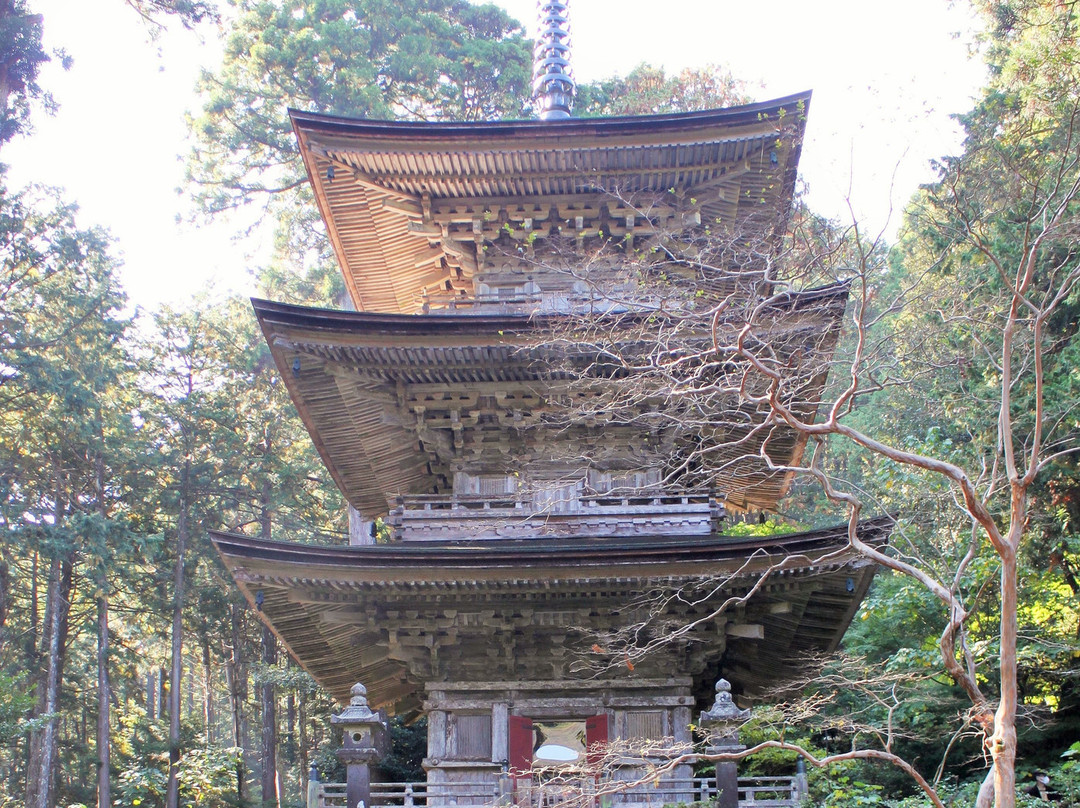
(745, 631)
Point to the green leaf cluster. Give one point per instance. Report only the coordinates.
(419, 60)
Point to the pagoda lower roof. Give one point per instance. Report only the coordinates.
(341, 611)
(540, 559)
(391, 400)
(390, 192)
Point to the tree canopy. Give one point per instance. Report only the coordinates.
(421, 60)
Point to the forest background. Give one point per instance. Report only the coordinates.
(130, 671)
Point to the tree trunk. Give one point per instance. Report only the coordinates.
(5, 599)
(208, 692)
(1003, 741)
(270, 794)
(290, 726)
(33, 658)
(42, 773)
(104, 749)
(104, 743)
(269, 724)
(35, 608)
(234, 679)
(162, 694)
(172, 793)
(303, 740)
(151, 696)
(189, 689)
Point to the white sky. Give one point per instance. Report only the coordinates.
(886, 77)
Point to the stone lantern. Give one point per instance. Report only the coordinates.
(721, 723)
(363, 740)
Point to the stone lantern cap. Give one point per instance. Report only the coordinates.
(724, 710)
(358, 712)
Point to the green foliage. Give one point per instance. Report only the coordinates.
(1005, 209)
(16, 701)
(769, 527)
(207, 774)
(189, 12)
(98, 424)
(841, 790)
(649, 90)
(47, 260)
(408, 748)
(22, 56)
(92, 474)
(423, 59)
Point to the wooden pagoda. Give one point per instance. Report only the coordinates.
(521, 537)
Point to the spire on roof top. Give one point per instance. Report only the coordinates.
(553, 77)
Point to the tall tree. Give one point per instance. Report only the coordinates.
(189, 12)
(21, 58)
(183, 381)
(62, 365)
(422, 60)
(230, 453)
(22, 54)
(647, 90)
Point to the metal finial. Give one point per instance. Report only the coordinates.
(553, 77)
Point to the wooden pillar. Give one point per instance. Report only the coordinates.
(722, 724)
(436, 749)
(361, 530)
(500, 750)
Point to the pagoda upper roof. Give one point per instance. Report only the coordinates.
(391, 192)
(371, 599)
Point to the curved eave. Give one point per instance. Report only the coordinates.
(385, 169)
(535, 130)
(304, 587)
(342, 324)
(371, 457)
(538, 558)
(368, 460)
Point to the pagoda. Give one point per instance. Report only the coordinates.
(531, 526)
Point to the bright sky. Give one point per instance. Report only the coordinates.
(886, 78)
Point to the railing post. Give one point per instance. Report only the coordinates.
(314, 788)
(799, 785)
(408, 796)
(722, 724)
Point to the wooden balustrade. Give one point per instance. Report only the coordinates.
(629, 513)
(754, 792)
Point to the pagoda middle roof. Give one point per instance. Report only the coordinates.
(385, 188)
(363, 381)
